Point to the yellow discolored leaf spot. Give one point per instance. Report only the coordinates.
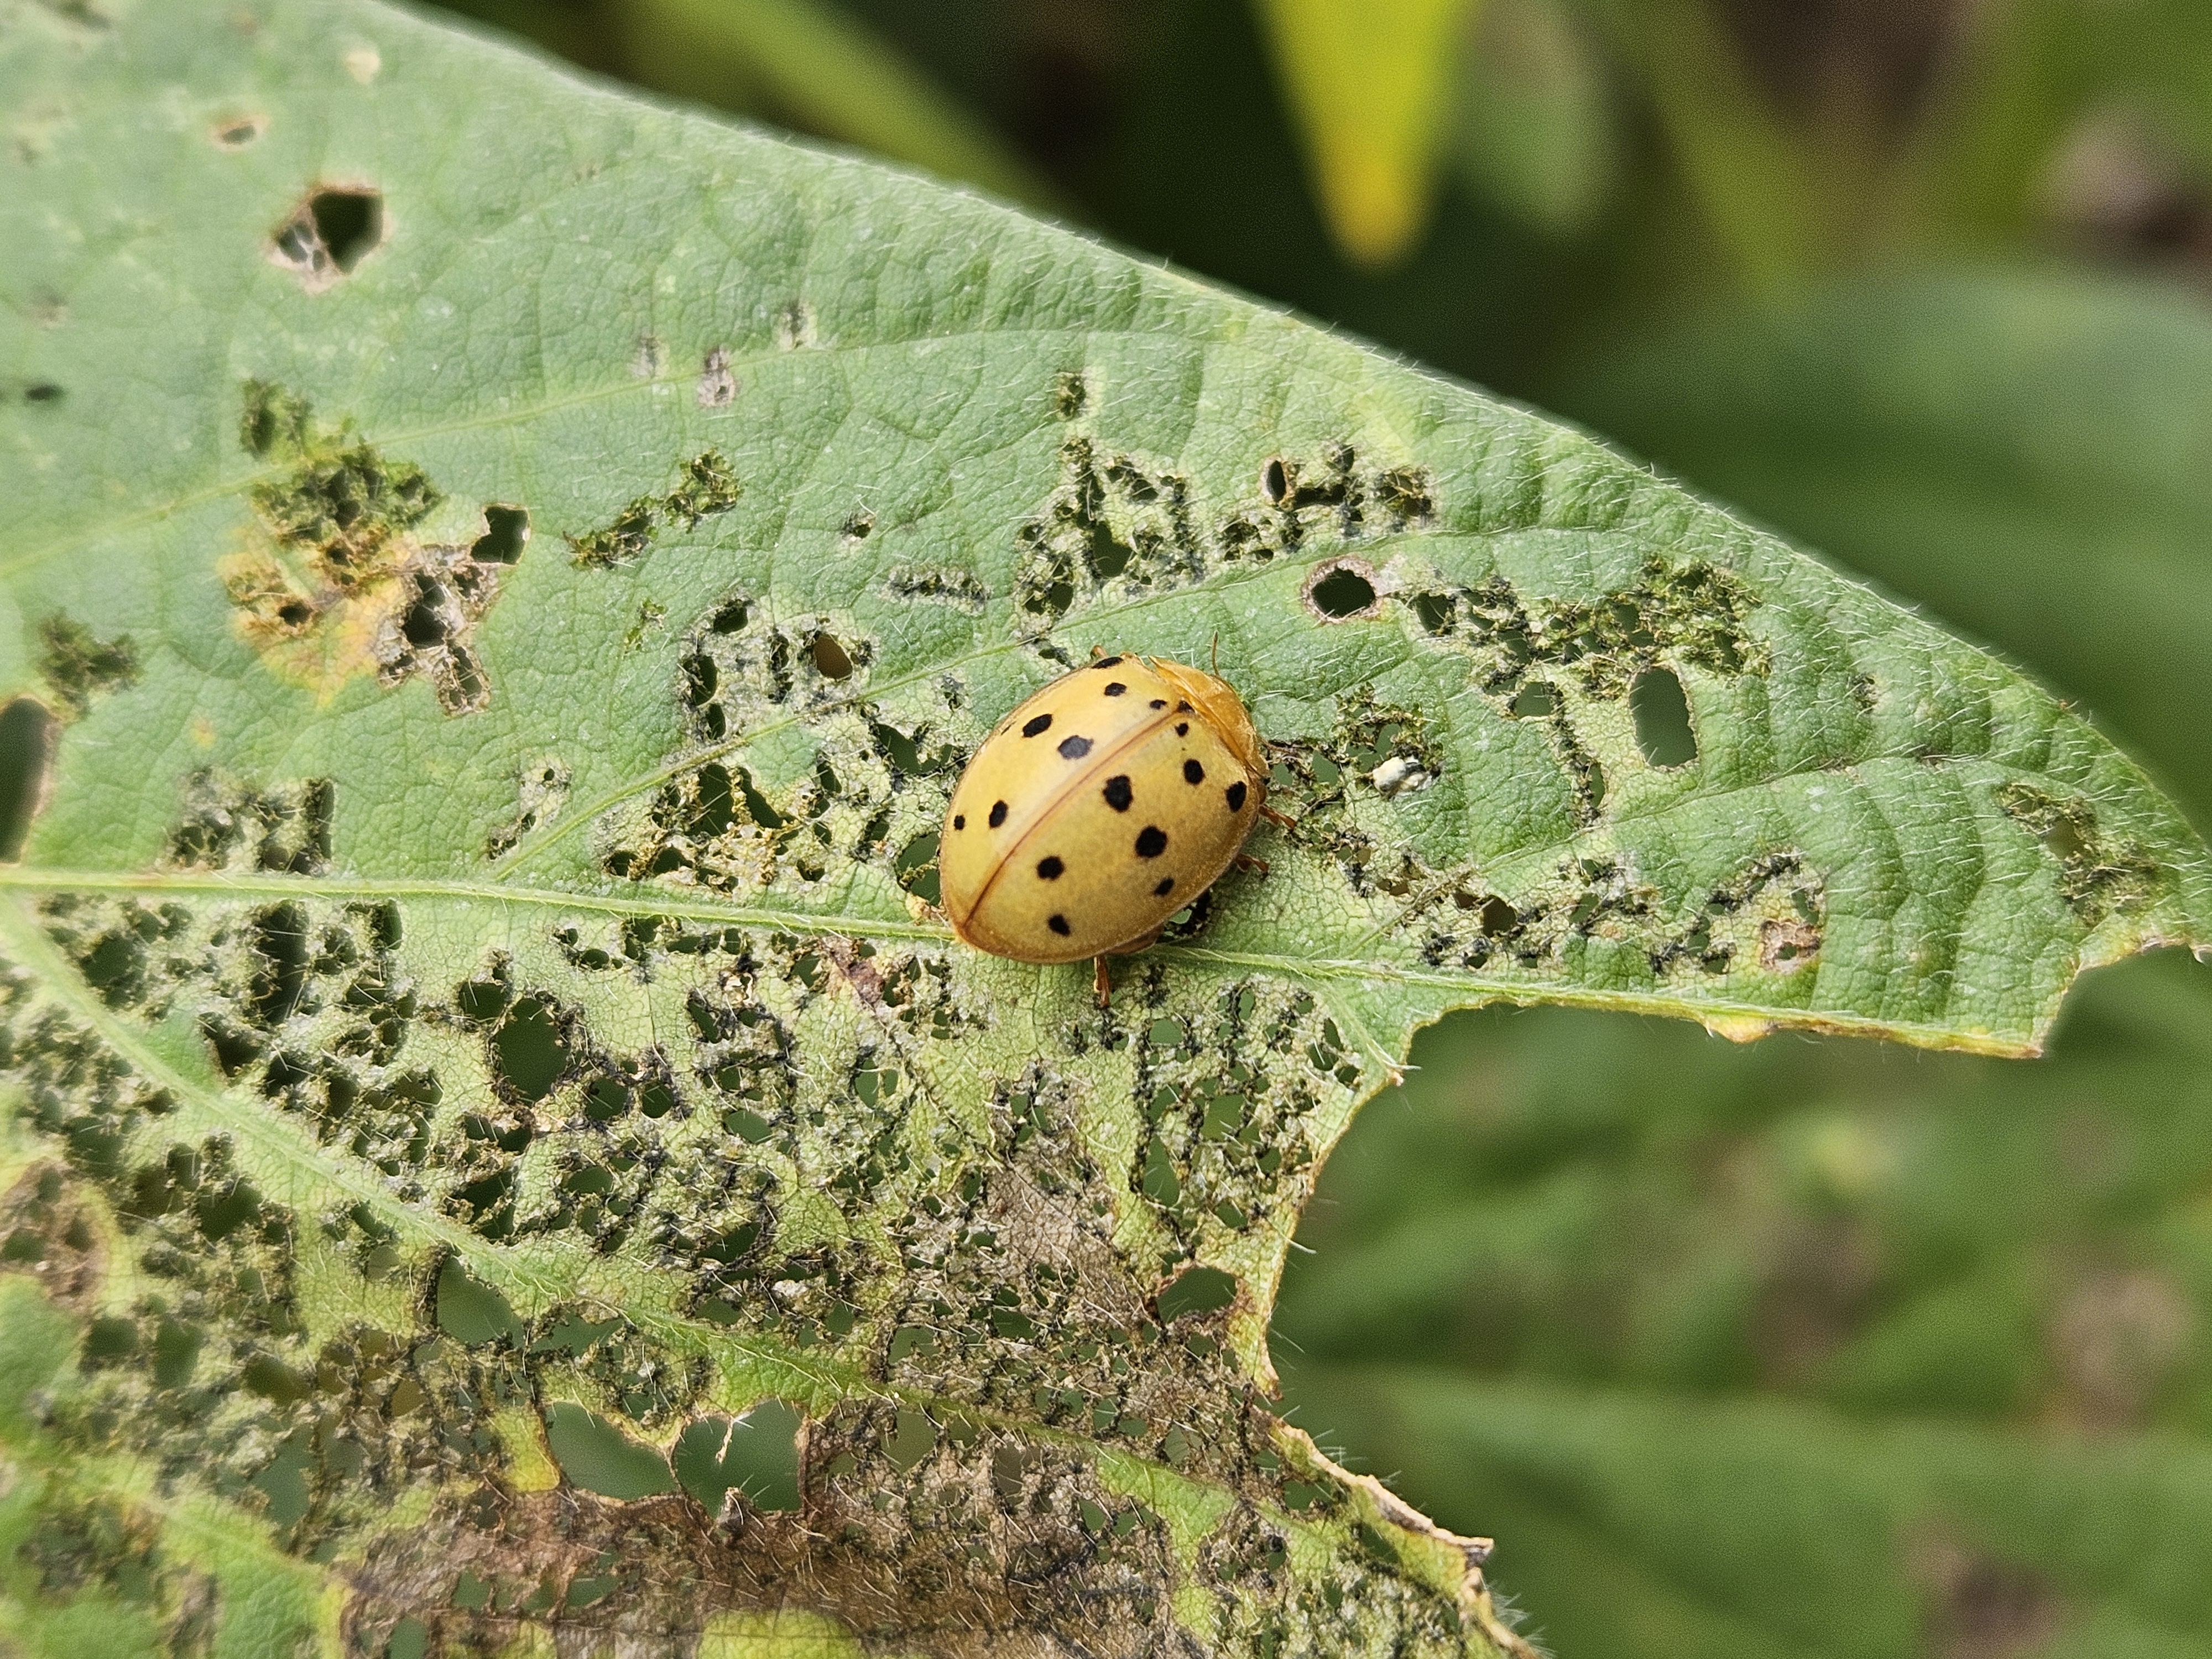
(330, 580)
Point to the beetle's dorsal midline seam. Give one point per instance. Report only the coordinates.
(1044, 813)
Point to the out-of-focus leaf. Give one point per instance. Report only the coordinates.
(1555, 1195)
(2122, 87)
(1536, 131)
(1370, 85)
(817, 68)
(807, 64)
(2030, 455)
(1767, 205)
(1649, 1527)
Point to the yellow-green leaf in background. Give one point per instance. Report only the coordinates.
(1369, 87)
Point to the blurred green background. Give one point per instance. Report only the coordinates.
(1810, 1348)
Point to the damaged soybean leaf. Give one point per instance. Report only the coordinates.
(501, 1150)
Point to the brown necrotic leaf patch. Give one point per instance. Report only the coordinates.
(332, 580)
(945, 1531)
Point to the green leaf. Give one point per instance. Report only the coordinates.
(814, 67)
(2059, 106)
(505, 579)
(808, 63)
(1766, 203)
(1371, 88)
(2023, 452)
(1537, 124)
(1668, 1526)
(1560, 1200)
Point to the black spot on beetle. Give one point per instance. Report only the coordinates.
(1118, 792)
(1152, 842)
(1182, 728)
(959, 820)
(1166, 886)
(1049, 869)
(1107, 662)
(1040, 723)
(998, 814)
(1058, 923)
(1183, 708)
(1073, 748)
(1115, 687)
(1236, 796)
(1192, 772)
(1159, 703)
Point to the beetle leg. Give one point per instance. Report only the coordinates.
(1102, 982)
(1280, 820)
(1246, 861)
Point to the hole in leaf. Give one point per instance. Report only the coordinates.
(1274, 480)
(531, 1054)
(756, 806)
(756, 1456)
(1536, 701)
(481, 999)
(176, 1353)
(1345, 592)
(1159, 1181)
(275, 1381)
(718, 809)
(224, 1210)
(1663, 731)
(505, 529)
(914, 1440)
(473, 1313)
(748, 1125)
(917, 867)
(284, 1482)
(350, 223)
(1197, 1291)
(427, 622)
(110, 1338)
(599, 1458)
(831, 657)
(240, 131)
(27, 747)
(280, 947)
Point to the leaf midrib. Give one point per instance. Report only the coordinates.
(1322, 972)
